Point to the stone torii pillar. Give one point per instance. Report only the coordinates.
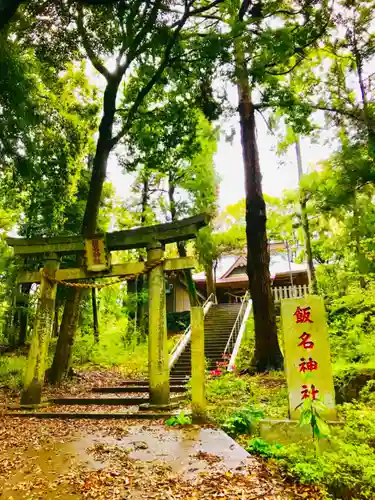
(151, 237)
(158, 358)
(42, 331)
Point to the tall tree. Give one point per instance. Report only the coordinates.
(259, 63)
(305, 222)
(46, 135)
(342, 189)
(141, 35)
(175, 144)
(9, 8)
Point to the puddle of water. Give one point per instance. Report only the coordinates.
(44, 473)
(178, 448)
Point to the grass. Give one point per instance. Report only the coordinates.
(228, 392)
(11, 371)
(115, 349)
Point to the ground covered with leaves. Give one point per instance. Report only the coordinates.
(72, 459)
(80, 386)
(66, 459)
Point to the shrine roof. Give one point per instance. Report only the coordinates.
(227, 265)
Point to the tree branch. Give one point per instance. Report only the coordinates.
(205, 8)
(266, 122)
(209, 16)
(200, 10)
(343, 112)
(145, 90)
(146, 28)
(285, 12)
(8, 8)
(287, 70)
(95, 61)
(338, 111)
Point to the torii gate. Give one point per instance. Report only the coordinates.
(97, 253)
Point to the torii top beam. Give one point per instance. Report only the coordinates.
(170, 232)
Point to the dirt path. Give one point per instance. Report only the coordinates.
(54, 459)
(132, 460)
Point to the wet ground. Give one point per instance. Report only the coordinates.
(118, 460)
(187, 452)
(127, 459)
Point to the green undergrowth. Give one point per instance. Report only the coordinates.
(342, 464)
(12, 368)
(351, 322)
(229, 392)
(177, 420)
(116, 348)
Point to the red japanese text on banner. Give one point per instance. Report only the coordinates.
(307, 354)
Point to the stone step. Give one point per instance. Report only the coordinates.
(94, 416)
(129, 389)
(175, 381)
(107, 401)
(218, 326)
(224, 316)
(223, 322)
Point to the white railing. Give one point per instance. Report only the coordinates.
(289, 292)
(238, 331)
(185, 338)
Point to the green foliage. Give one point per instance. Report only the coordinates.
(242, 421)
(311, 414)
(258, 446)
(230, 225)
(367, 394)
(178, 321)
(351, 324)
(180, 419)
(11, 371)
(227, 385)
(344, 466)
(112, 350)
(268, 393)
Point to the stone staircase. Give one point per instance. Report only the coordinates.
(218, 325)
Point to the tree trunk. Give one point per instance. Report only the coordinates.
(192, 291)
(362, 86)
(55, 332)
(8, 8)
(103, 148)
(69, 322)
(18, 324)
(361, 259)
(95, 318)
(61, 361)
(267, 354)
(305, 224)
(23, 313)
(211, 288)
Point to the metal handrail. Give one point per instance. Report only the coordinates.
(240, 335)
(229, 348)
(185, 338)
